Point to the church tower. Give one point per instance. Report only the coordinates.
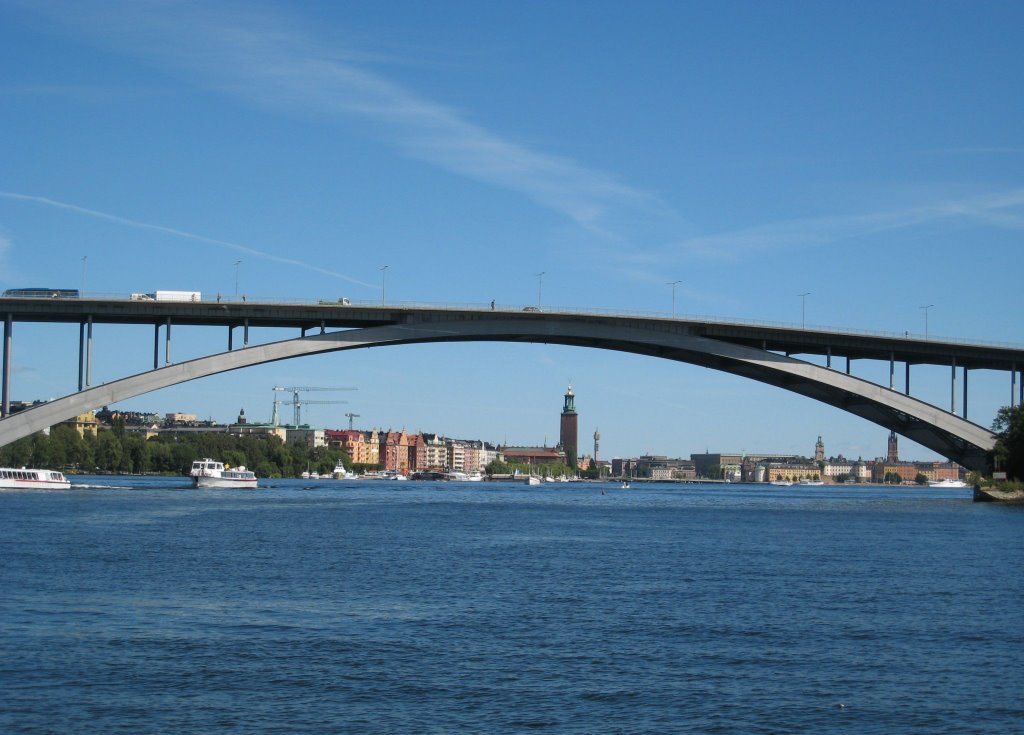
(568, 434)
(892, 455)
(819, 450)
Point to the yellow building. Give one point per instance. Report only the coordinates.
(83, 423)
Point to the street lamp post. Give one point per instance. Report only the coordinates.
(673, 284)
(803, 309)
(237, 263)
(926, 308)
(540, 287)
(383, 273)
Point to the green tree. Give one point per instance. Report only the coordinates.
(1009, 450)
(921, 479)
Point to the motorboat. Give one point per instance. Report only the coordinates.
(782, 483)
(211, 473)
(811, 483)
(947, 482)
(340, 473)
(24, 478)
(459, 476)
(532, 480)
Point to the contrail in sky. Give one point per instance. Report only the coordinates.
(179, 233)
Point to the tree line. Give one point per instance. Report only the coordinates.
(118, 451)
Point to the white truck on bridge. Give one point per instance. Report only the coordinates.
(168, 296)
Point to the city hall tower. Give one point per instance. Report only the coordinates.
(568, 434)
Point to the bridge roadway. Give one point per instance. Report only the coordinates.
(757, 351)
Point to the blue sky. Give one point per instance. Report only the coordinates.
(870, 154)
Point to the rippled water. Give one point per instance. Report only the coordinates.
(142, 606)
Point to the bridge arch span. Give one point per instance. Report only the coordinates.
(945, 433)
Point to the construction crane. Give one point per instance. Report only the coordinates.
(296, 402)
(350, 417)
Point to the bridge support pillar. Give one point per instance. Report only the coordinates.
(167, 343)
(952, 389)
(88, 352)
(81, 355)
(906, 381)
(964, 413)
(848, 365)
(245, 334)
(1013, 385)
(828, 357)
(231, 335)
(322, 327)
(156, 345)
(892, 371)
(5, 402)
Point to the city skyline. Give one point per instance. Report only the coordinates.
(855, 167)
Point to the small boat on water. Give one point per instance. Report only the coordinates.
(782, 483)
(211, 473)
(25, 478)
(532, 480)
(459, 476)
(340, 473)
(810, 483)
(948, 482)
(625, 485)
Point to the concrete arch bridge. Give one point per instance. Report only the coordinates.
(760, 352)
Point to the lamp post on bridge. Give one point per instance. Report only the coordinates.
(673, 284)
(803, 309)
(383, 273)
(540, 287)
(926, 308)
(237, 263)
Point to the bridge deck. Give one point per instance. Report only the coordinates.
(840, 344)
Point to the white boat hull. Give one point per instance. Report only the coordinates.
(221, 482)
(32, 479)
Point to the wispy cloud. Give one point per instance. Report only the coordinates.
(999, 209)
(264, 56)
(237, 247)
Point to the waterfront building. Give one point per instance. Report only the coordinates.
(532, 455)
(307, 435)
(435, 453)
(402, 452)
(258, 430)
(567, 435)
(180, 419)
(363, 447)
(714, 465)
(908, 472)
(83, 423)
(791, 471)
(456, 455)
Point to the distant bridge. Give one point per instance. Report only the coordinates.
(762, 352)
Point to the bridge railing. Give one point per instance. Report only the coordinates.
(567, 310)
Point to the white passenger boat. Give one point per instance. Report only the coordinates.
(24, 478)
(459, 476)
(210, 473)
(810, 483)
(947, 483)
(532, 480)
